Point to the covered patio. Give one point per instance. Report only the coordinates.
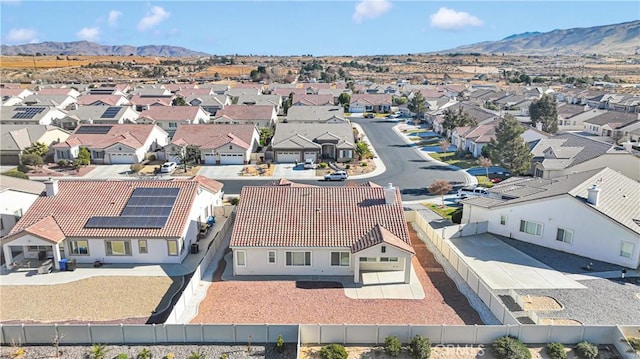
(29, 252)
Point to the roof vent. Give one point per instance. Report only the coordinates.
(389, 194)
(51, 187)
(594, 195)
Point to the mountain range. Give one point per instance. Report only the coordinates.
(93, 49)
(616, 39)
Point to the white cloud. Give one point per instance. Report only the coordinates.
(153, 18)
(114, 15)
(22, 35)
(370, 9)
(89, 34)
(449, 19)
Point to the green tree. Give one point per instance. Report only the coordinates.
(400, 100)
(37, 148)
(457, 118)
(362, 150)
(344, 99)
(178, 101)
(266, 133)
(417, 105)
(544, 110)
(508, 148)
(31, 159)
(83, 158)
(287, 103)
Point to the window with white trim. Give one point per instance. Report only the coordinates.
(503, 219)
(340, 259)
(118, 248)
(142, 246)
(532, 228)
(38, 248)
(241, 258)
(298, 258)
(388, 259)
(272, 256)
(564, 235)
(626, 249)
(383, 249)
(172, 247)
(79, 248)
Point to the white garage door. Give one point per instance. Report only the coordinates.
(209, 159)
(231, 159)
(287, 157)
(310, 155)
(122, 158)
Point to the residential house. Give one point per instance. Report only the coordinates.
(480, 115)
(285, 92)
(293, 142)
(380, 103)
(214, 145)
(567, 153)
(113, 144)
(97, 115)
(16, 197)
(240, 91)
(257, 115)
(29, 115)
(314, 100)
(103, 100)
(61, 102)
(320, 231)
(210, 103)
(217, 89)
(58, 91)
(168, 118)
(594, 214)
(259, 100)
(152, 91)
(181, 87)
(142, 103)
(624, 103)
(334, 92)
(13, 96)
(105, 90)
(129, 222)
(316, 114)
(572, 117)
(14, 139)
(631, 132)
(607, 123)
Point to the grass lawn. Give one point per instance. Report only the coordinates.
(416, 131)
(484, 181)
(445, 212)
(452, 159)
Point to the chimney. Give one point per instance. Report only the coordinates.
(539, 126)
(51, 186)
(389, 194)
(594, 195)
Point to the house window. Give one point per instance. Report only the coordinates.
(38, 248)
(298, 259)
(368, 259)
(564, 235)
(383, 249)
(340, 259)
(173, 124)
(18, 214)
(98, 154)
(118, 248)
(142, 246)
(172, 246)
(79, 247)
(626, 249)
(503, 219)
(241, 258)
(531, 228)
(388, 259)
(272, 256)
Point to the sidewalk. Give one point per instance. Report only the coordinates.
(469, 179)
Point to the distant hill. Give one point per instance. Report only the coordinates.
(91, 48)
(619, 39)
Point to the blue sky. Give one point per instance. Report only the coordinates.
(364, 27)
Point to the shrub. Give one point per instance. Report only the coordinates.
(144, 354)
(197, 355)
(347, 166)
(556, 351)
(136, 167)
(63, 163)
(15, 173)
(635, 342)
(456, 216)
(98, 351)
(152, 158)
(323, 165)
(280, 343)
(122, 356)
(586, 350)
(333, 351)
(392, 346)
(420, 347)
(234, 200)
(31, 160)
(363, 164)
(510, 348)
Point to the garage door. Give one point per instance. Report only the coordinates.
(231, 159)
(287, 157)
(122, 158)
(209, 159)
(311, 155)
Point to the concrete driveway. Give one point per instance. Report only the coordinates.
(109, 172)
(503, 267)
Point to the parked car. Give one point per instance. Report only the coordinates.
(369, 115)
(336, 176)
(168, 167)
(309, 164)
(466, 192)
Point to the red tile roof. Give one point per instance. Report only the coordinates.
(111, 100)
(379, 235)
(77, 201)
(288, 216)
(55, 91)
(214, 136)
(286, 183)
(373, 99)
(150, 100)
(244, 112)
(208, 183)
(171, 113)
(133, 136)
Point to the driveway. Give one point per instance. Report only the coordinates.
(109, 172)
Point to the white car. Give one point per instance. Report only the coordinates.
(168, 167)
(309, 164)
(336, 176)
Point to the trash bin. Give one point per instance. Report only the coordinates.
(71, 265)
(195, 248)
(63, 264)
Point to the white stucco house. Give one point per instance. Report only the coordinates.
(594, 214)
(30, 115)
(169, 117)
(16, 197)
(340, 231)
(114, 221)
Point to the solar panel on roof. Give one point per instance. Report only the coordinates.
(93, 130)
(27, 112)
(110, 112)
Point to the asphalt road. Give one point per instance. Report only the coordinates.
(406, 168)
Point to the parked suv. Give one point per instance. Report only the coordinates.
(336, 176)
(466, 192)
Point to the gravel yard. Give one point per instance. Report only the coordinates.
(95, 299)
(283, 302)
